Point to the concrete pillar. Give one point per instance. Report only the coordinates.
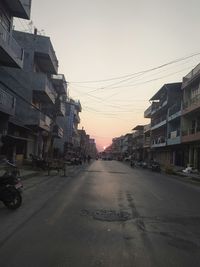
(40, 145)
(195, 158)
(191, 155)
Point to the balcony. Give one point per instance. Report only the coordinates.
(157, 106)
(158, 142)
(60, 84)
(78, 106)
(37, 119)
(147, 142)
(191, 135)
(157, 123)
(19, 8)
(60, 108)
(76, 118)
(45, 54)
(191, 105)
(191, 77)
(174, 138)
(57, 132)
(43, 88)
(174, 112)
(11, 54)
(147, 113)
(7, 103)
(74, 131)
(147, 128)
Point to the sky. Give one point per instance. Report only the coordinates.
(106, 49)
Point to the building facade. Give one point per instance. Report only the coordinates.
(191, 117)
(39, 94)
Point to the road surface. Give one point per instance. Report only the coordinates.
(109, 215)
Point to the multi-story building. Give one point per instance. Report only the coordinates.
(38, 101)
(127, 145)
(71, 140)
(138, 140)
(191, 117)
(117, 145)
(92, 148)
(147, 143)
(164, 132)
(11, 55)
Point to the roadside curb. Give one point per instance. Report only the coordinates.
(178, 175)
(31, 175)
(70, 171)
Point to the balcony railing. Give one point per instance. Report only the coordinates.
(11, 44)
(174, 138)
(191, 104)
(60, 83)
(43, 87)
(147, 142)
(60, 108)
(45, 54)
(159, 141)
(191, 131)
(191, 134)
(39, 119)
(174, 109)
(147, 128)
(158, 122)
(77, 118)
(174, 134)
(156, 106)
(7, 102)
(147, 113)
(191, 75)
(57, 132)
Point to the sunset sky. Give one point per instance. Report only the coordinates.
(104, 48)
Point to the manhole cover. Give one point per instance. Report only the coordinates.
(107, 215)
(111, 215)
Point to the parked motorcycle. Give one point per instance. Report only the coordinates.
(155, 166)
(11, 187)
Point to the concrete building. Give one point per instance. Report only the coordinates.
(191, 117)
(38, 101)
(164, 132)
(138, 140)
(147, 143)
(73, 122)
(92, 148)
(11, 55)
(127, 144)
(70, 142)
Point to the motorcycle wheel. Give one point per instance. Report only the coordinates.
(15, 201)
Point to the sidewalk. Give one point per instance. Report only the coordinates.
(70, 171)
(190, 176)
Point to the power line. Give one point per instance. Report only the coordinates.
(140, 72)
(131, 85)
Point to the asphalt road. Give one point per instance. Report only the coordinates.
(108, 215)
